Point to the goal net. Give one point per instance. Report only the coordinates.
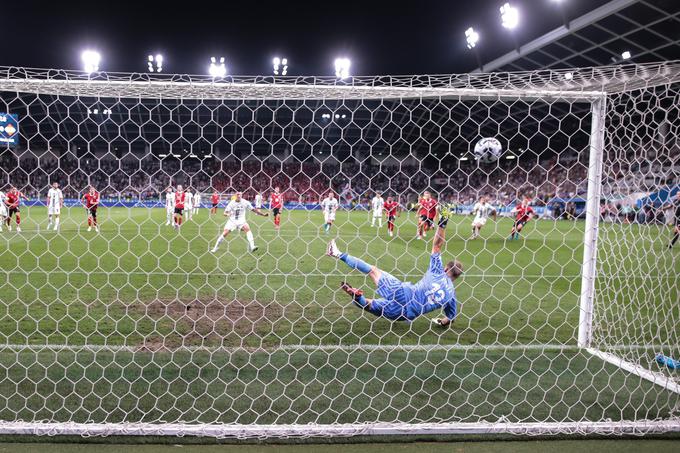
(131, 325)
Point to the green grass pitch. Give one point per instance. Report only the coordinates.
(268, 338)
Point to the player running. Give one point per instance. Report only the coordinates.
(329, 205)
(524, 214)
(236, 211)
(169, 205)
(180, 197)
(214, 201)
(400, 301)
(12, 200)
(55, 201)
(391, 210)
(276, 205)
(427, 213)
(188, 203)
(91, 202)
(676, 222)
(481, 210)
(3, 209)
(377, 204)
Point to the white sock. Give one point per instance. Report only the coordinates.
(56, 223)
(251, 240)
(49, 221)
(380, 222)
(219, 241)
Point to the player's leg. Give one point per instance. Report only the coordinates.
(49, 218)
(372, 220)
(419, 232)
(168, 216)
(249, 236)
(380, 220)
(93, 219)
(221, 238)
(676, 235)
(57, 217)
(17, 218)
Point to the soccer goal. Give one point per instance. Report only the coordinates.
(136, 327)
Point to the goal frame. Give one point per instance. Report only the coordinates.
(79, 85)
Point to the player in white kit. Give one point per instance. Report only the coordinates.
(169, 205)
(55, 200)
(377, 204)
(236, 211)
(329, 205)
(481, 210)
(3, 209)
(188, 203)
(258, 200)
(197, 202)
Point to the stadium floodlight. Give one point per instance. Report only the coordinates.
(342, 66)
(472, 37)
(91, 60)
(280, 66)
(509, 16)
(217, 67)
(626, 55)
(155, 63)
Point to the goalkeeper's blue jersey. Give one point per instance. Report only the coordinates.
(406, 301)
(433, 292)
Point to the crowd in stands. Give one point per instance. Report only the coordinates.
(461, 182)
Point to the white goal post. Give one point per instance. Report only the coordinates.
(142, 331)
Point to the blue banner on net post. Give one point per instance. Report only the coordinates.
(9, 129)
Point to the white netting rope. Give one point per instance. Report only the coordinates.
(140, 329)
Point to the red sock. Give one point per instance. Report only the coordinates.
(18, 219)
(179, 220)
(277, 221)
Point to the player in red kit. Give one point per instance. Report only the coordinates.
(276, 205)
(524, 214)
(91, 202)
(391, 208)
(179, 206)
(427, 213)
(12, 200)
(215, 200)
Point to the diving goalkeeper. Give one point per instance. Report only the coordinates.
(402, 301)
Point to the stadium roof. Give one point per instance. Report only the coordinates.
(648, 29)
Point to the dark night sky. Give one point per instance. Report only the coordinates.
(380, 37)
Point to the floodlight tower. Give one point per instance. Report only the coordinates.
(155, 63)
(510, 19)
(280, 66)
(342, 66)
(472, 38)
(217, 69)
(91, 60)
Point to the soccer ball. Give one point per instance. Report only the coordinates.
(488, 150)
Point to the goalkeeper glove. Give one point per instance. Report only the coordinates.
(438, 322)
(444, 215)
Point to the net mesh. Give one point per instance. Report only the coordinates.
(139, 328)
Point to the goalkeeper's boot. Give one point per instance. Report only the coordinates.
(333, 250)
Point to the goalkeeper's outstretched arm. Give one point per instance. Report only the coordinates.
(440, 234)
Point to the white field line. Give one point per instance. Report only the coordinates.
(172, 273)
(324, 348)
